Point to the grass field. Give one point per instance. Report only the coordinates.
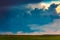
(30, 37)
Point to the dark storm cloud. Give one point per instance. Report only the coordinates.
(17, 19)
(20, 2)
(17, 2)
(48, 0)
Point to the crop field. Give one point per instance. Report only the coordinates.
(29, 37)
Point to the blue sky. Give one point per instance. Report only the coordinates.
(30, 17)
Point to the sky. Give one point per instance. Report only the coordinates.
(29, 17)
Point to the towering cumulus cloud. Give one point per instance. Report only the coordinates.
(28, 17)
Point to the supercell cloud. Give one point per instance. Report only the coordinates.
(30, 17)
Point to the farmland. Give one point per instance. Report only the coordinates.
(29, 37)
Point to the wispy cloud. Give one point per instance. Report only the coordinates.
(53, 28)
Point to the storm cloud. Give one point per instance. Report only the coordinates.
(17, 18)
(4, 3)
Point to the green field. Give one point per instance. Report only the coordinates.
(31, 37)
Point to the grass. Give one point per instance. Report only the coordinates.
(30, 37)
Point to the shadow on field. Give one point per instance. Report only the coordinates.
(29, 37)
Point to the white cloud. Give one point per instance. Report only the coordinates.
(6, 33)
(51, 32)
(44, 5)
(26, 33)
(52, 28)
(39, 5)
